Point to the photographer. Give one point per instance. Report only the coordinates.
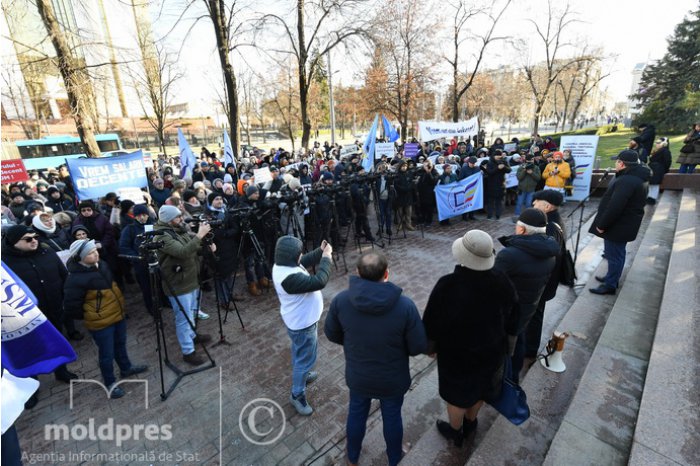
(528, 175)
(495, 170)
(256, 271)
(325, 227)
(359, 192)
(386, 194)
(426, 195)
(557, 173)
(179, 264)
(404, 197)
(129, 244)
(226, 260)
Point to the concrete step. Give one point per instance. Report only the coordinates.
(668, 425)
(549, 394)
(598, 425)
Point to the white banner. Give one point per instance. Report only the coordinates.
(583, 149)
(460, 197)
(349, 149)
(432, 130)
(383, 148)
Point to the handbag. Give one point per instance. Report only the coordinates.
(567, 274)
(512, 402)
(688, 148)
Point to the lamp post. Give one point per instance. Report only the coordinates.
(330, 92)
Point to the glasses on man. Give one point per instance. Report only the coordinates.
(28, 239)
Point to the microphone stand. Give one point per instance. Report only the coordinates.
(582, 205)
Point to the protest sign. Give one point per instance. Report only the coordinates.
(95, 177)
(262, 175)
(410, 150)
(457, 198)
(432, 130)
(13, 171)
(583, 149)
(383, 148)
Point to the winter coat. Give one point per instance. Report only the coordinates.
(556, 230)
(692, 158)
(466, 171)
(128, 243)
(447, 179)
(56, 240)
(659, 163)
(60, 205)
(159, 196)
(379, 329)
(92, 295)
(527, 182)
(558, 179)
(468, 316)
(100, 230)
(226, 244)
(495, 177)
(179, 263)
(404, 189)
(527, 260)
(44, 273)
(621, 209)
(646, 142)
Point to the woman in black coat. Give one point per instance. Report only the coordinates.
(467, 319)
(659, 163)
(404, 198)
(426, 192)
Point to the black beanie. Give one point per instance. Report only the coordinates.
(213, 196)
(552, 196)
(287, 251)
(189, 194)
(15, 233)
(86, 203)
(533, 217)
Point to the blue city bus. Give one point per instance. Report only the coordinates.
(52, 151)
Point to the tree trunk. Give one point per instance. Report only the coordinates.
(217, 9)
(303, 82)
(536, 119)
(75, 79)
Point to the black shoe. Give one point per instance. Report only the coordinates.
(388, 232)
(193, 358)
(64, 375)
(469, 426)
(600, 279)
(203, 338)
(75, 335)
(602, 289)
(446, 430)
(135, 370)
(32, 401)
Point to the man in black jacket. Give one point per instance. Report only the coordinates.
(528, 259)
(44, 274)
(379, 329)
(619, 216)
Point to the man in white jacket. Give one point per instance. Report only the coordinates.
(301, 305)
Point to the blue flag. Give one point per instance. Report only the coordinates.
(187, 159)
(228, 151)
(389, 131)
(368, 147)
(31, 345)
(457, 198)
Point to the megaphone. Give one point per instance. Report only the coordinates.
(552, 360)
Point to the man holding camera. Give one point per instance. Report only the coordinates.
(528, 175)
(301, 305)
(556, 173)
(179, 265)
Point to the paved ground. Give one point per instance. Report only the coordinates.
(205, 418)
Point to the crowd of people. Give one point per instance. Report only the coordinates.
(77, 256)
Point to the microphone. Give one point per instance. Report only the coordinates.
(606, 174)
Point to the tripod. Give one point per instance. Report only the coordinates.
(258, 253)
(156, 279)
(220, 288)
(381, 225)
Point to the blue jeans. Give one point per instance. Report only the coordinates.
(687, 168)
(615, 254)
(391, 422)
(304, 349)
(111, 346)
(385, 214)
(184, 332)
(524, 199)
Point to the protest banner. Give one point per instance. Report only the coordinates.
(349, 149)
(13, 171)
(461, 197)
(95, 177)
(262, 175)
(583, 149)
(383, 148)
(510, 147)
(410, 150)
(432, 130)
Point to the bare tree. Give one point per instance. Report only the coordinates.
(27, 113)
(75, 78)
(589, 78)
(409, 55)
(154, 86)
(461, 82)
(323, 27)
(284, 101)
(542, 78)
(248, 106)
